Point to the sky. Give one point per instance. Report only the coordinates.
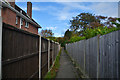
(57, 15)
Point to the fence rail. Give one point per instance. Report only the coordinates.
(20, 53)
(98, 57)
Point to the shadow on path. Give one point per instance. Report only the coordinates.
(66, 69)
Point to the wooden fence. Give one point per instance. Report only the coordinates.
(98, 57)
(26, 55)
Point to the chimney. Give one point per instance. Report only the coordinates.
(29, 9)
(12, 3)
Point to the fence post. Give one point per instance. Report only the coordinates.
(52, 52)
(39, 57)
(48, 55)
(0, 42)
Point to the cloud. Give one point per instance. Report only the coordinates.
(58, 35)
(51, 28)
(64, 13)
(106, 9)
(68, 10)
(33, 8)
(36, 8)
(103, 8)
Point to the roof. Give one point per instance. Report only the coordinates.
(25, 14)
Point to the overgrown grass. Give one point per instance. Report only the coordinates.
(52, 73)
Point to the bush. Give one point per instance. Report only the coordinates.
(88, 33)
(76, 38)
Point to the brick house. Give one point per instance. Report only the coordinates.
(15, 16)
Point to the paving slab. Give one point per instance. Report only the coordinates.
(66, 69)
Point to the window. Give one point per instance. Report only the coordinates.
(21, 21)
(26, 24)
(20, 11)
(16, 19)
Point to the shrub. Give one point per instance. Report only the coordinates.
(88, 33)
(76, 38)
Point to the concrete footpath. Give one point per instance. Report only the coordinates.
(67, 69)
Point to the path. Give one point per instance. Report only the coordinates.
(67, 69)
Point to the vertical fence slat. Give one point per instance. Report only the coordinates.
(48, 54)
(39, 57)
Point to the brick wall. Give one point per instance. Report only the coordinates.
(9, 17)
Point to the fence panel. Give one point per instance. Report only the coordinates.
(102, 57)
(44, 54)
(19, 53)
(81, 53)
(98, 57)
(117, 55)
(51, 53)
(93, 57)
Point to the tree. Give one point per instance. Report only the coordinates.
(68, 34)
(117, 23)
(47, 33)
(83, 21)
(88, 20)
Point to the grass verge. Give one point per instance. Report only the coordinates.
(52, 73)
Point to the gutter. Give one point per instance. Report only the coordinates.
(19, 14)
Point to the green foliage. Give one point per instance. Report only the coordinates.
(63, 43)
(76, 38)
(52, 73)
(86, 25)
(88, 33)
(47, 33)
(88, 20)
(68, 34)
(82, 21)
(52, 38)
(117, 24)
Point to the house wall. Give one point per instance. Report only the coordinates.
(9, 17)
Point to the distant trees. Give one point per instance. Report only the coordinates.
(87, 25)
(68, 34)
(87, 20)
(83, 21)
(46, 33)
(84, 26)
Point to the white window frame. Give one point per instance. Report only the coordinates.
(26, 24)
(20, 11)
(21, 22)
(16, 20)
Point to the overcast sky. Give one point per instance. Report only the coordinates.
(56, 15)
